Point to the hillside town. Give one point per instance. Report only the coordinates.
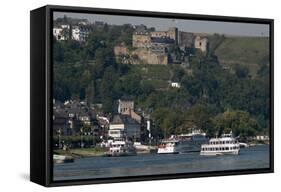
(76, 118)
(73, 118)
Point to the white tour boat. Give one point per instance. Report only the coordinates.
(122, 147)
(183, 143)
(62, 159)
(226, 144)
(169, 146)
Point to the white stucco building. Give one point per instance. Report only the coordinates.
(124, 126)
(58, 32)
(79, 33)
(175, 84)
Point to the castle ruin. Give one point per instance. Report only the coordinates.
(153, 47)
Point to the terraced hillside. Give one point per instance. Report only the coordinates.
(249, 51)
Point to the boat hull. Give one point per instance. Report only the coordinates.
(57, 159)
(182, 147)
(175, 152)
(214, 153)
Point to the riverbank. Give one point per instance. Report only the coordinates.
(82, 152)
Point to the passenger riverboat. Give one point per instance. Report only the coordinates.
(122, 147)
(226, 144)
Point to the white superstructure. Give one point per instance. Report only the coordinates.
(183, 143)
(169, 146)
(121, 147)
(226, 144)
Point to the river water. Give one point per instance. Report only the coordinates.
(152, 164)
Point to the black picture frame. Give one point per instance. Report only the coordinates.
(41, 94)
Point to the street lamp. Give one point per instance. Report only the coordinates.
(93, 132)
(59, 132)
(81, 131)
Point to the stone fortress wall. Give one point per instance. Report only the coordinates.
(151, 47)
(141, 40)
(146, 56)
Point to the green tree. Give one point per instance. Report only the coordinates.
(199, 116)
(239, 122)
(106, 89)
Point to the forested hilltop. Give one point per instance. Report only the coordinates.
(219, 90)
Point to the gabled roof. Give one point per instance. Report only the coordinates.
(117, 120)
(123, 119)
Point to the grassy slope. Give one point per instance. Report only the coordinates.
(250, 51)
(157, 75)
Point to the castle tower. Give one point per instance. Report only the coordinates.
(173, 34)
(201, 43)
